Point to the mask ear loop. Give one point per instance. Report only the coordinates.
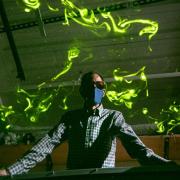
(104, 90)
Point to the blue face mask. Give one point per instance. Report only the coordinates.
(98, 95)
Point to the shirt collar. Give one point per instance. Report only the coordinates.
(96, 112)
(100, 109)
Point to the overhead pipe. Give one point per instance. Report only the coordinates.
(40, 22)
(107, 80)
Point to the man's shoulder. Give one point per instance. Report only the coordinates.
(113, 112)
(73, 112)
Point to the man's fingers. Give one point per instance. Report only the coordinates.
(3, 172)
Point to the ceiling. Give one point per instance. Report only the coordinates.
(42, 57)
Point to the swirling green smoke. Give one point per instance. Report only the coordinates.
(41, 101)
(87, 18)
(34, 104)
(73, 53)
(29, 5)
(5, 112)
(118, 96)
(169, 119)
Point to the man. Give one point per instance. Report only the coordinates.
(91, 133)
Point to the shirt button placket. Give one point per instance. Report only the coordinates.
(88, 133)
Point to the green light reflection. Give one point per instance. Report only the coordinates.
(89, 20)
(29, 5)
(73, 53)
(119, 96)
(145, 110)
(5, 112)
(35, 103)
(41, 101)
(169, 119)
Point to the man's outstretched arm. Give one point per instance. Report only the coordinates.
(38, 152)
(134, 146)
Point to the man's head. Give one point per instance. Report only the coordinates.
(92, 88)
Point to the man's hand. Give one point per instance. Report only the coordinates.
(3, 172)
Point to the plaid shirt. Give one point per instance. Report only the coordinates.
(92, 141)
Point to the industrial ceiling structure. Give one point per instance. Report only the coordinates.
(34, 45)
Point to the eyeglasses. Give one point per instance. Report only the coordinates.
(99, 84)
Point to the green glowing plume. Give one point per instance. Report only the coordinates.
(73, 53)
(36, 104)
(88, 19)
(64, 105)
(160, 126)
(145, 110)
(169, 119)
(119, 96)
(30, 5)
(151, 29)
(5, 112)
(41, 101)
(55, 9)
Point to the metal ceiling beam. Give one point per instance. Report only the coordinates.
(107, 80)
(20, 72)
(113, 7)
